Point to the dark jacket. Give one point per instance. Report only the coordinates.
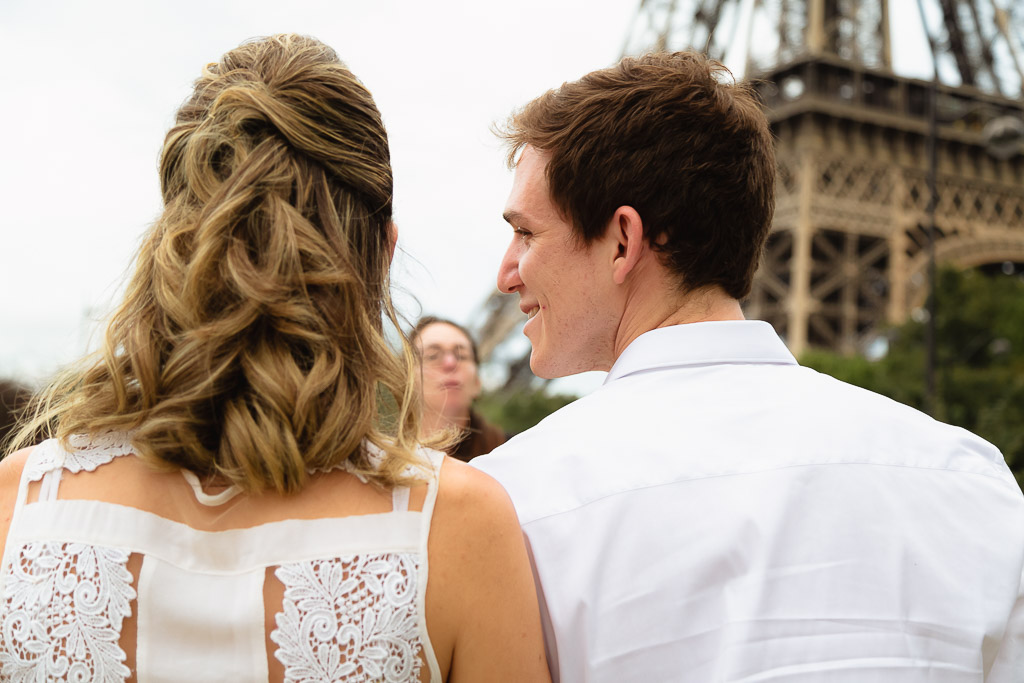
(481, 437)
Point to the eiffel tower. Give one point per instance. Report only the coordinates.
(852, 235)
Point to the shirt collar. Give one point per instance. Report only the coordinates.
(707, 343)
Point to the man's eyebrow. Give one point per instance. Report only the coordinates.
(513, 218)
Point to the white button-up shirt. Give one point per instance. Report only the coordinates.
(715, 512)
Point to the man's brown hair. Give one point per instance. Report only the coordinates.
(672, 136)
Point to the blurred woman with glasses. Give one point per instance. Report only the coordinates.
(450, 381)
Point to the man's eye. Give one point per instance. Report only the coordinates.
(523, 234)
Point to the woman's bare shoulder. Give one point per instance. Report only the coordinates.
(12, 466)
(460, 479)
(480, 575)
(476, 498)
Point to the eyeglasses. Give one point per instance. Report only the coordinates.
(437, 356)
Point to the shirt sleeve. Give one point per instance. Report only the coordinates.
(1008, 666)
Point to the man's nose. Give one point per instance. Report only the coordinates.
(508, 271)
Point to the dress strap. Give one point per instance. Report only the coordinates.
(400, 499)
(436, 459)
(49, 485)
(209, 499)
(45, 463)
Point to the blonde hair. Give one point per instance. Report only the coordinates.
(251, 343)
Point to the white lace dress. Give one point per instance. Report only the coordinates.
(353, 588)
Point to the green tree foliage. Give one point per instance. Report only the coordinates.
(979, 360)
(518, 411)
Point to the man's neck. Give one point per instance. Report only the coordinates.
(648, 313)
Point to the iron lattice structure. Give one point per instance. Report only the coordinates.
(848, 252)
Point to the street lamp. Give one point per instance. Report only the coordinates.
(933, 200)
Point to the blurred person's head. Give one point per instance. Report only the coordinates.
(14, 398)
(250, 346)
(665, 147)
(450, 382)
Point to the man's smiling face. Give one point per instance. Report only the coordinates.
(565, 288)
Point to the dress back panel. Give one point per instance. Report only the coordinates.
(156, 580)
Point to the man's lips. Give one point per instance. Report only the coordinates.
(529, 309)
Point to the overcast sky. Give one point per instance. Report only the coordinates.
(90, 89)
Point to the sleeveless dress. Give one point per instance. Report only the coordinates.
(350, 590)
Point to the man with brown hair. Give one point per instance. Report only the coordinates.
(715, 512)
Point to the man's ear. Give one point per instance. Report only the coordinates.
(627, 230)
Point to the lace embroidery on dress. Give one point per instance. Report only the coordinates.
(64, 604)
(350, 619)
(86, 453)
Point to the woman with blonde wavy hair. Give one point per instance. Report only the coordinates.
(233, 489)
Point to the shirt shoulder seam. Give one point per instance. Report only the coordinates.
(597, 499)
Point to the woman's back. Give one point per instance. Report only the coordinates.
(114, 571)
(113, 561)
